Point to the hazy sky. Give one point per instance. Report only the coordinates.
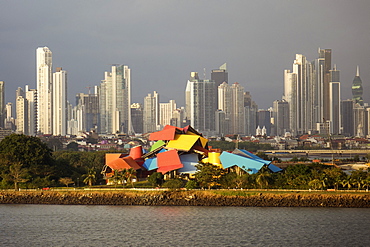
(163, 41)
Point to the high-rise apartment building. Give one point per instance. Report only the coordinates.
(44, 83)
(22, 115)
(250, 113)
(347, 117)
(137, 117)
(89, 104)
(324, 75)
(201, 103)
(2, 104)
(31, 96)
(334, 101)
(281, 117)
(231, 102)
(357, 90)
(60, 102)
(151, 113)
(115, 101)
(166, 113)
(359, 120)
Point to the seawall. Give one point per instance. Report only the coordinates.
(187, 198)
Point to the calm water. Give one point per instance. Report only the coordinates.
(61, 225)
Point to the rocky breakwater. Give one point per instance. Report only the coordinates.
(187, 198)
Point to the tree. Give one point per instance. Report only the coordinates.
(156, 179)
(228, 180)
(263, 179)
(118, 177)
(191, 184)
(130, 175)
(17, 174)
(90, 177)
(315, 184)
(207, 175)
(31, 153)
(66, 181)
(173, 184)
(73, 146)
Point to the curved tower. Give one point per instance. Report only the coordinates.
(357, 89)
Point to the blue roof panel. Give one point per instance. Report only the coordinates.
(247, 164)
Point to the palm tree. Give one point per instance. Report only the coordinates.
(90, 177)
(130, 175)
(263, 179)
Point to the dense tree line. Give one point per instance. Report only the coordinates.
(300, 176)
(28, 162)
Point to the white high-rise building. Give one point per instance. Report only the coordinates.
(44, 90)
(60, 102)
(201, 103)
(2, 104)
(231, 101)
(115, 101)
(151, 113)
(22, 115)
(334, 94)
(167, 111)
(31, 96)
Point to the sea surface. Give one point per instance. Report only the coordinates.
(65, 225)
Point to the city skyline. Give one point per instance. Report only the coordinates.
(163, 42)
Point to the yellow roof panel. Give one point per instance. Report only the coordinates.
(204, 141)
(183, 142)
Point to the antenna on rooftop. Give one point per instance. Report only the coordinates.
(204, 75)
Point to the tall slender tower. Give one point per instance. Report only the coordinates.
(44, 90)
(357, 89)
(325, 56)
(2, 104)
(60, 102)
(334, 101)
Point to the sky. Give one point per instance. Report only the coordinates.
(162, 41)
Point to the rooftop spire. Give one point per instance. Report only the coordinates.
(358, 71)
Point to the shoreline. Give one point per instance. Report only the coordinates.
(187, 198)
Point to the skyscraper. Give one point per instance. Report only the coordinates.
(31, 96)
(137, 117)
(22, 115)
(60, 102)
(357, 89)
(90, 111)
(324, 72)
(220, 75)
(334, 101)
(151, 113)
(166, 112)
(281, 117)
(2, 104)
(115, 101)
(201, 99)
(231, 102)
(250, 113)
(44, 85)
(303, 107)
(348, 128)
